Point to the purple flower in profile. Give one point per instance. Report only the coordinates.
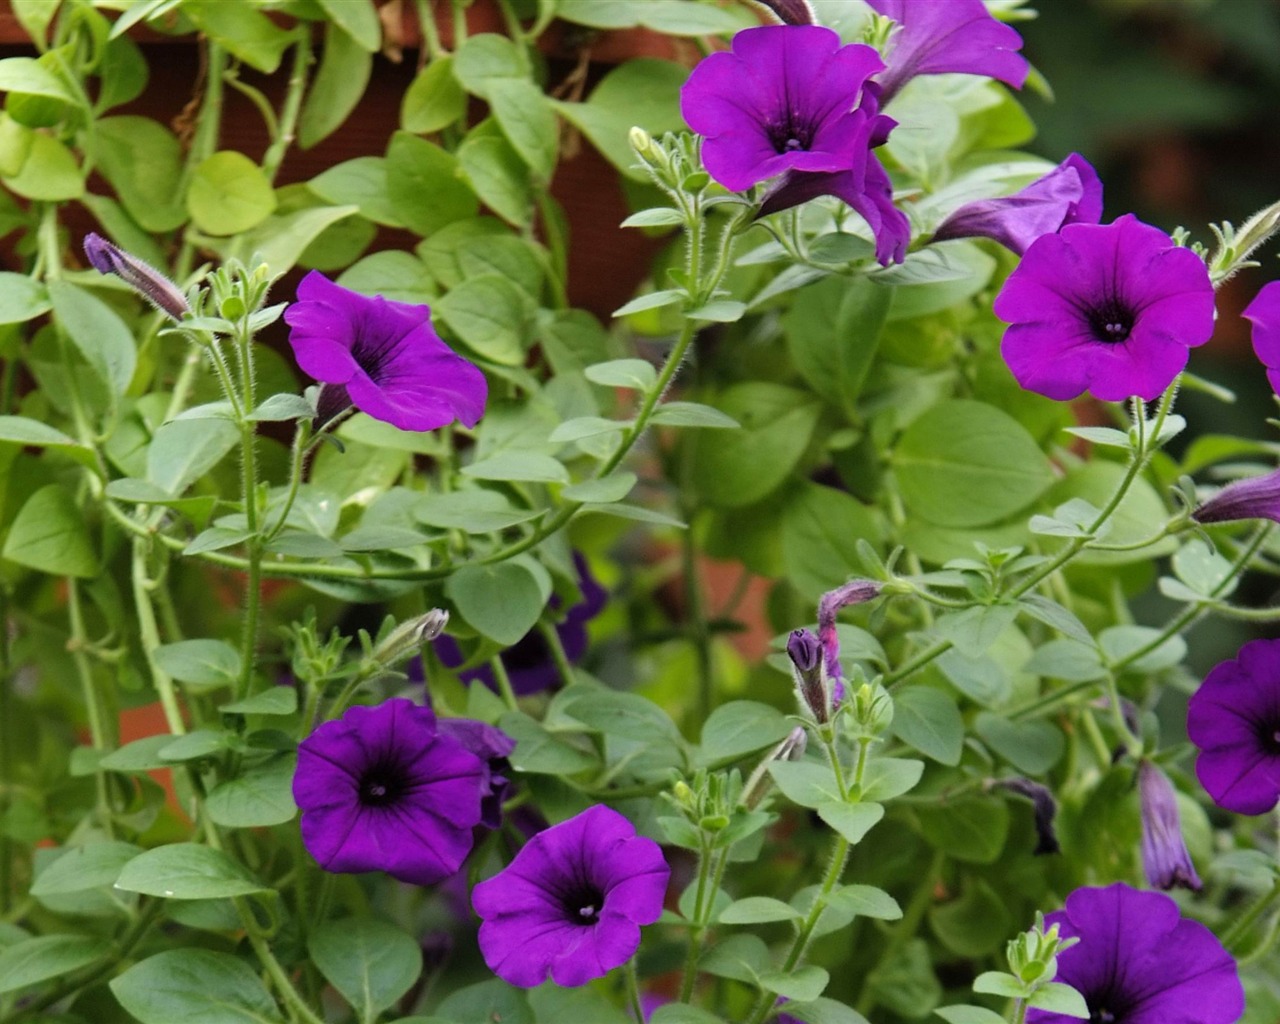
(571, 903)
(383, 357)
(528, 662)
(1110, 309)
(1044, 811)
(492, 746)
(1069, 194)
(1139, 961)
(1255, 498)
(142, 277)
(1234, 720)
(382, 789)
(791, 102)
(853, 592)
(948, 36)
(805, 651)
(1264, 314)
(1165, 859)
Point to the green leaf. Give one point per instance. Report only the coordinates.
(732, 468)
(358, 19)
(541, 751)
(1120, 643)
(199, 662)
(1031, 747)
(50, 535)
(498, 176)
(555, 1005)
(833, 331)
(370, 962)
(489, 314)
(820, 533)
(502, 601)
(683, 1013)
(486, 58)
(721, 311)
(613, 487)
(434, 100)
(971, 829)
(528, 120)
(969, 1015)
(824, 1011)
(636, 374)
(974, 630)
(741, 727)
(692, 414)
(183, 451)
(999, 983)
(474, 511)
(187, 871)
(97, 332)
(282, 239)
(139, 756)
(345, 67)
(143, 160)
(278, 700)
(930, 721)
(806, 783)
(1056, 997)
(853, 821)
(33, 433)
(243, 29)
(642, 93)
(805, 982)
(423, 185)
(740, 957)
(49, 173)
(527, 466)
(22, 298)
(195, 745)
(488, 1001)
(35, 960)
(965, 464)
(887, 777)
(651, 300)
(758, 910)
(362, 183)
(260, 796)
(581, 427)
(195, 986)
(975, 924)
(865, 901)
(92, 866)
(655, 217)
(229, 194)
(29, 76)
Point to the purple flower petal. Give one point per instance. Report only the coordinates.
(1140, 962)
(571, 903)
(940, 36)
(1109, 309)
(385, 354)
(1264, 314)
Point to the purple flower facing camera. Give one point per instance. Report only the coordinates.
(1108, 309)
(383, 357)
(1139, 961)
(571, 903)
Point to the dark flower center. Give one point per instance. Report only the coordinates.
(790, 134)
(1269, 737)
(1110, 321)
(381, 785)
(583, 903)
(1107, 1006)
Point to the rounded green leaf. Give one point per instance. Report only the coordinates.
(930, 721)
(21, 298)
(260, 796)
(195, 986)
(187, 871)
(50, 535)
(502, 601)
(434, 100)
(424, 186)
(49, 173)
(229, 194)
(370, 962)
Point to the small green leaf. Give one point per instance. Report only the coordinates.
(865, 901)
(651, 300)
(199, 662)
(97, 332)
(502, 601)
(805, 782)
(278, 700)
(613, 487)
(741, 727)
(758, 910)
(887, 777)
(969, 1015)
(474, 511)
(806, 982)
(187, 871)
(1056, 997)
(370, 962)
(529, 122)
(260, 796)
(358, 19)
(229, 194)
(636, 374)
(345, 66)
(930, 721)
(92, 866)
(50, 535)
(489, 314)
(423, 185)
(434, 100)
(998, 983)
(49, 173)
(183, 451)
(543, 752)
(35, 960)
(853, 821)
(692, 414)
(22, 298)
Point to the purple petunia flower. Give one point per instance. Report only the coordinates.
(1110, 309)
(1139, 961)
(528, 661)
(940, 36)
(1264, 314)
(139, 275)
(381, 356)
(1069, 194)
(1234, 720)
(382, 789)
(853, 592)
(1255, 498)
(492, 746)
(791, 101)
(1165, 859)
(571, 903)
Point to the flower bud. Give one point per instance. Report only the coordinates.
(872, 711)
(1165, 859)
(853, 592)
(645, 148)
(790, 12)
(1255, 498)
(805, 652)
(143, 278)
(1045, 809)
(406, 640)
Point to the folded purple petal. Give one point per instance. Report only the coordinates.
(1264, 314)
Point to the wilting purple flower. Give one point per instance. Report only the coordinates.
(853, 592)
(1165, 859)
(1234, 719)
(492, 746)
(142, 277)
(1139, 961)
(948, 36)
(381, 356)
(1045, 810)
(791, 101)
(790, 12)
(1264, 314)
(381, 789)
(572, 901)
(528, 662)
(1069, 194)
(1111, 309)
(1255, 498)
(805, 651)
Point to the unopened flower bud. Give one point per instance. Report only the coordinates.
(793, 747)
(1165, 859)
(805, 652)
(142, 277)
(872, 711)
(1045, 810)
(853, 592)
(645, 148)
(1255, 498)
(790, 12)
(406, 639)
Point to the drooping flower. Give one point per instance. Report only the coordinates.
(142, 277)
(571, 903)
(381, 356)
(1234, 720)
(948, 36)
(1165, 859)
(1111, 309)
(853, 592)
(1069, 194)
(528, 662)
(492, 746)
(791, 102)
(805, 651)
(1045, 810)
(1264, 314)
(1139, 961)
(1258, 497)
(382, 789)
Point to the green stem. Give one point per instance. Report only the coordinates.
(698, 930)
(286, 131)
(92, 701)
(6, 753)
(1240, 928)
(695, 614)
(558, 656)
(633, 990)
(904, 929)
(504, 683)
(249, 490)
(150, 634)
